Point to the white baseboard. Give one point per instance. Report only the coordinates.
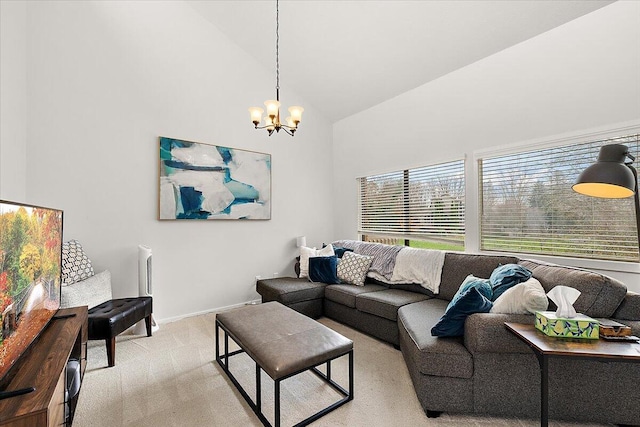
(212, 310)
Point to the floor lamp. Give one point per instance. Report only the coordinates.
(611, 177)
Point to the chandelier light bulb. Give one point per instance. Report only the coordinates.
(290, 122)
(272, 107)
(296, 113)
(256, 115)
(268, 121)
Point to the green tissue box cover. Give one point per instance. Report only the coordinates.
(580, 326)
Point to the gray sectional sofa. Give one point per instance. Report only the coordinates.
(488, 370)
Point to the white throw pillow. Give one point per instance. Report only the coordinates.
(523, 298)
(353, 268)
(306, 253)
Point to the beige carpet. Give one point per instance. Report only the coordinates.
(172, 379)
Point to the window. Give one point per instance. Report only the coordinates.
(422, 206)
(528, 206)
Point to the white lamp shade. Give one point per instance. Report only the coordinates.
(296, 113)
(301, 241)
(272, 107)
(290, 122)
(269, 123)
(256, 114)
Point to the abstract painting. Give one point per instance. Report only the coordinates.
(202, 181)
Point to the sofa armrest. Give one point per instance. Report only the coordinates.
(486, 333)
(90, 292)
(629, 308)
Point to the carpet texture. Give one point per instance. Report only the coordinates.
(172, 379)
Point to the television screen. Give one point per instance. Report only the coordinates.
(30, 257)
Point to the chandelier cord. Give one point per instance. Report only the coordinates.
(277, 52)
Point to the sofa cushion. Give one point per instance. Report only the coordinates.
(323, 269)
(523, 298)
(288, 290)
(386, 303)
(353, 268)
(629, 308)
(339, 251)
(600, 295)
(90, 292)
(451, 324)
(457, 266)
(443, 357)
(76, 265)
(346, 294)
(482, 285)
(306, 253)
(507, 276)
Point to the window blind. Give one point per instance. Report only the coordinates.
(528, 205)
(419, 203)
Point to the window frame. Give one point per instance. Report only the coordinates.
(408, 237)
(474, 198)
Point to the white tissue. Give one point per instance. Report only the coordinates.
(564, 297)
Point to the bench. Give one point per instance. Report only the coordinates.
(109, 319)
(283, 343)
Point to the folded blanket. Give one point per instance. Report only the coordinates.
(420, 266)
(384, 256)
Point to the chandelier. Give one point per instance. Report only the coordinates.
(272, 119)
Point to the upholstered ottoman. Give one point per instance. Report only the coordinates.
(282, 343)
(299, 294)
(113, 317)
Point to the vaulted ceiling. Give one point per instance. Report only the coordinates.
(346, 56)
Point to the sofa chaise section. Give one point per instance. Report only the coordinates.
(299, 294)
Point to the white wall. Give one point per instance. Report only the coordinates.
(579, 76)
(13, 104)
(105, 80)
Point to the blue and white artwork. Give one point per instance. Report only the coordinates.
(202, 181)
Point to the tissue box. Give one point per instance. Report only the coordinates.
(580, 326)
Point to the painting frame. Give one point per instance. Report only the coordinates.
(212, 182)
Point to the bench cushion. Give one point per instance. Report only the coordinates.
(288, 290)
(386, 303)
(443, 357)
(114, 316)
(346, 294)
(281, 340)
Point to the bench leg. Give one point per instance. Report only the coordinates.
(147, 322)
(111, 351)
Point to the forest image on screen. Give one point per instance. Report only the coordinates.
(30, 256)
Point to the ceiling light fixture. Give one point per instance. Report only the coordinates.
(272, 119)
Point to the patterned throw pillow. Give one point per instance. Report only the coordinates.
(76, 265)
(353, 268)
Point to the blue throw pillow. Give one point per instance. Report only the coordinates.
(324, 269)
(339, 251)
(451, 324)
(482, 285)
(507, 276)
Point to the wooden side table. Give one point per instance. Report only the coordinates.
(545, 347)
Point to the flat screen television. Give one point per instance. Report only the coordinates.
(30, 261)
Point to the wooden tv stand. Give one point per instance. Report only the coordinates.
(43, 366)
